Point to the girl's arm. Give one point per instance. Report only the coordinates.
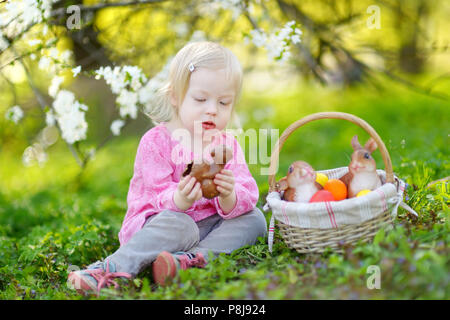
(152, 187)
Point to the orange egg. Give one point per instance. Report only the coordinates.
(337, 188)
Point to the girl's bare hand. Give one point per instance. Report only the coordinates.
(188, 191)
(225, 182)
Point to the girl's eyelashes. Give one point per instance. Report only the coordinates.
(203, 100)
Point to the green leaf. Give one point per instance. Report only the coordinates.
(379, 237)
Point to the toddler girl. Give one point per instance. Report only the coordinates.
(168, 224)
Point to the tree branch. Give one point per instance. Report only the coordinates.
(311, 26)
(96, 7)
(313, 65)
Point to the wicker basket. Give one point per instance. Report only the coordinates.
(334, 236)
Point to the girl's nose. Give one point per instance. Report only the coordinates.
(211, 108)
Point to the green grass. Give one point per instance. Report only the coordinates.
(49, 224)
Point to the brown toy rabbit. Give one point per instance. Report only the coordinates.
(300, 183)
(205, 172)
(362, 170)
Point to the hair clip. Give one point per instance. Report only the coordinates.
(191, 67)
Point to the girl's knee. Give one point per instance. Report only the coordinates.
(176, 223)
(170, 216)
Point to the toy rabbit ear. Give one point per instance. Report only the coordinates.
(221, 154)
(355, 143)
(370, 145)
(283, 184)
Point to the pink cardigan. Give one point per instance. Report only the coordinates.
(159, 164)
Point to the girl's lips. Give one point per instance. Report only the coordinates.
(208, 125)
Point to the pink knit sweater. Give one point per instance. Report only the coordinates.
(159, 164)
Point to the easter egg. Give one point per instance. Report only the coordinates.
(337, 188)
(362, 192)
(321, 196)
(321, 178)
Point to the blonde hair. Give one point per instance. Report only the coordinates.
(204, 54)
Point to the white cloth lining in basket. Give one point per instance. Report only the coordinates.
(326, 215)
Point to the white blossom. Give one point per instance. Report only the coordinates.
(198, 35)
(259, 38)
(50, 41)
(65, 55)
(73, 126)
(54, 86)
(147, 92)
(3, 43)
(127, 101)
(63, 102)
(34, 42)
(277, 43)
(125, 82)
(129, 110)
(113, 78)
(137, 77)
(50, 118)
(44, 63)
(121, 77)
(14, 114)
(116, 126)
(235, 6)
(53, 53)
(127, 98)
(17, 16)
(70, 116)
(181, 29)
(76, 71)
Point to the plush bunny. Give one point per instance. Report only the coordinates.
(205, 172)
(300, 183)
(362, 170)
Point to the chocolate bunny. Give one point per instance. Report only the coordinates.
(205, 172)
(300, 184)
(362, 170)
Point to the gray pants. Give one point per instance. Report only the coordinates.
(176, 231)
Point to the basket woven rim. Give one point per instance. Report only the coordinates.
(328, 115)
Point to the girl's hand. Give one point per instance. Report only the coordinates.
(224, 181)
(188, 191)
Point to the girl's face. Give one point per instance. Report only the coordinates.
(209, 98)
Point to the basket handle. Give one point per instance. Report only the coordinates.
(328, 115)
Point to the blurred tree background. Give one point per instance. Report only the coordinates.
(343, 44)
